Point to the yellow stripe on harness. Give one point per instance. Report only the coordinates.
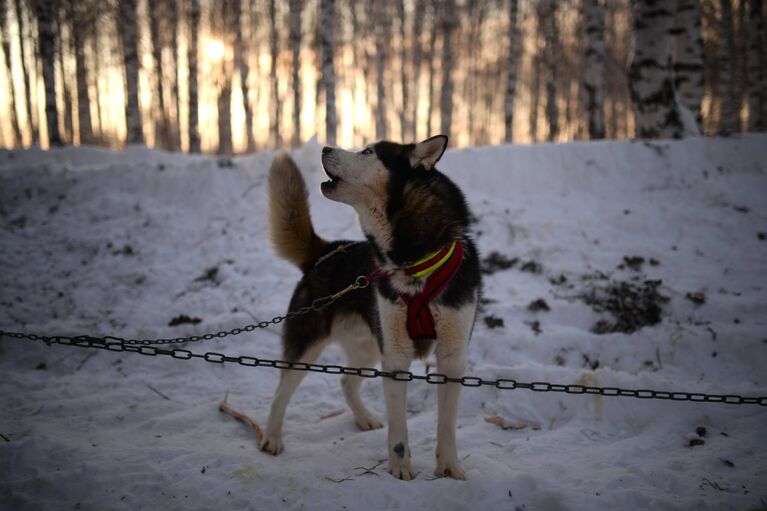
(432, 265)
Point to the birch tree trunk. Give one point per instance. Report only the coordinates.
(405, 110)
(44, 10)
(128, 30)
(740, 65)
(547, 18)
(511, 72)
(381, 25)
(241, 63)
(688, 57)
(33, 128)
(225, 83)
(535, 92)
(418, 23)
(328, 16)
(173, 22)
(728, 122)
(653, 96)
(69, 129)
(95, 48)
(81, 25)
(449, 22)
(431, 58)
(756, 73)
(277, 108)
(191, 56)
(6, 43)
(295, 47)
(593, 80)
(156, 16)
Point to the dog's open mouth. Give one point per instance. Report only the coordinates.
(333, 182)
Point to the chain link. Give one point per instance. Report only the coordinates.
(317, 304)
(110, 343)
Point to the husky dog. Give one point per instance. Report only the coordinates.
(416, 223)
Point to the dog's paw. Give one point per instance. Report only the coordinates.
(452, 469)
(368, 423)
(399, 463)
(401, 471)
(271, 444)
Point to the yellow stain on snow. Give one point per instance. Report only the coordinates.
(247, 474)
(596, 403)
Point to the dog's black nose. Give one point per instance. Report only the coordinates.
(326, 150)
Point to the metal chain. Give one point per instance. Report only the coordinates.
(317, 304)
(107, 343)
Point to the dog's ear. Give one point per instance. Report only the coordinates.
(428, 152)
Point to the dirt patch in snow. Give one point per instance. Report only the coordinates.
(630, 305)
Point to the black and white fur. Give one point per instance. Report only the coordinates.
(406, 209)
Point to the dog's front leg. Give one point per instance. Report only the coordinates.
(397, 355)
(396, 409)
(451, 361)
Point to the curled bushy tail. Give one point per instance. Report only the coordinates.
(290, 223)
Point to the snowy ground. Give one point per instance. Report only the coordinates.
(121, 243)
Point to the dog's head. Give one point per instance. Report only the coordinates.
(361, 177)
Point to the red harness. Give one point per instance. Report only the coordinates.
(441, 268)
(420, 321)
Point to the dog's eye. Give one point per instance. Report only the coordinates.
(367, 150)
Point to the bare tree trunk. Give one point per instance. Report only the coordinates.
(382, 37)
(449, 22)
(194, 23)
(431, 59)
(417, 57)
(295, 46)
(277, 108)
(173, 21)
(33, 128)
(357, 30)
(688, 57)
(225, 84)
(328, 16)
(81, 25)
(611, 60)
(547, 19)
(128, 30)
(728, 122)
(740, 65)
(471, 44)
(652, 88)
(511, 72)
(593, 82)
(69, 129)
(535, 91)
(763, 57)
(241, 63)
(225, 117)
(756, 73)
(403, 115)
(17, 139)
(156, 16)
(95, 47)
(44, 10)
(316, 42)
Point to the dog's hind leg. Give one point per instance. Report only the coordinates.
(360, 352)
(289, 382)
